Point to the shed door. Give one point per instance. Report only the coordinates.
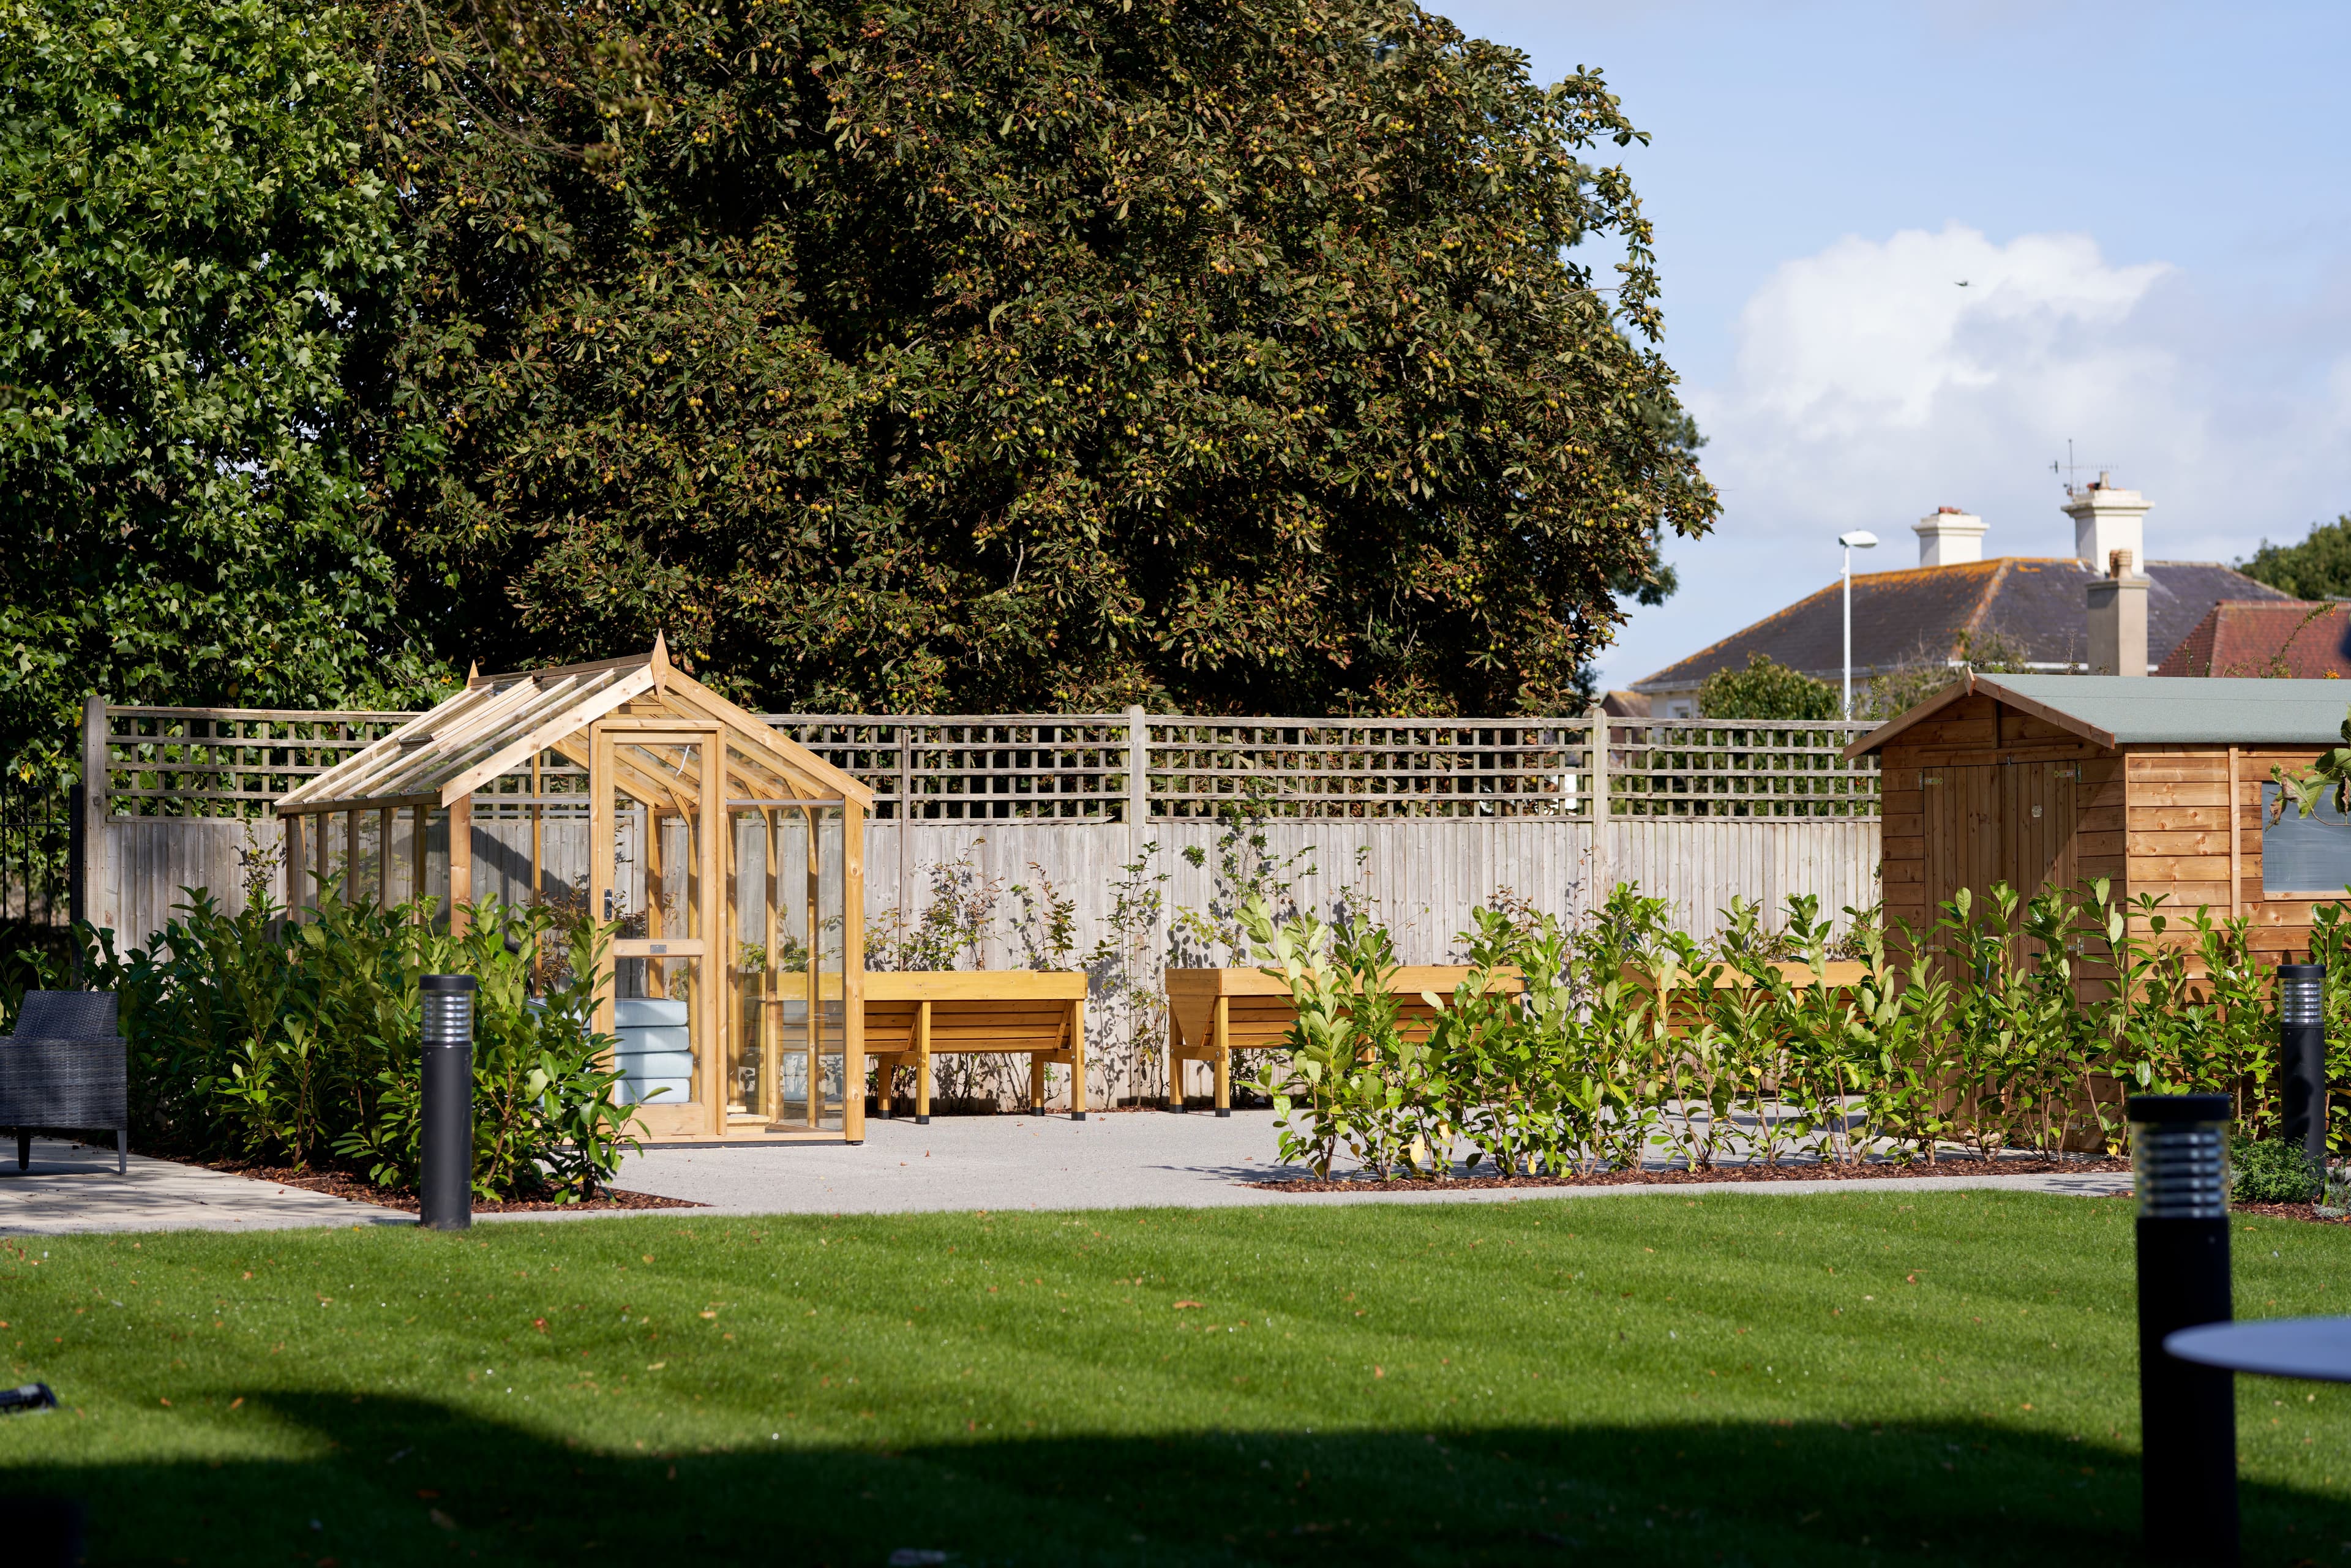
(1962, 811)
(2012, 823)
(2037, 806)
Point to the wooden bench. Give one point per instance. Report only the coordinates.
(1211, 1013)
(1841, 975)
(913, 1015)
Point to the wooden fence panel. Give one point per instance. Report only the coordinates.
(1412, 822)
(154, 859)
(1419, 877)
(1422, 877)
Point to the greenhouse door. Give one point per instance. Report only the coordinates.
(786, 1012)
(656, 875)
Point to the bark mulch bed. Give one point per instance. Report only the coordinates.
(2306, 1212)
(344, 1183)
(1877, 1171)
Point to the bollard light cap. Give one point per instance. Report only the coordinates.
(447, 982)
(2302, 971)
(2159, 1110)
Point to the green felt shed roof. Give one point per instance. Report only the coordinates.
(2153, 710)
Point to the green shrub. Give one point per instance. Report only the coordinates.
(1766, 690)
(2269, 1170)
(2013, 1022)
(254, 1036)
(1363, 1083)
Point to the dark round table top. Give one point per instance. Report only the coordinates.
(2318, 1349)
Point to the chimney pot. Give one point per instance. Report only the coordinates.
(2118, 563)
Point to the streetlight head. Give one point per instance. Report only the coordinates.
(1858, 539)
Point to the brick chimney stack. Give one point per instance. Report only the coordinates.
(2118, 618)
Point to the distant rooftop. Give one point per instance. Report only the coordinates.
(2305, 640)
(1923, 615)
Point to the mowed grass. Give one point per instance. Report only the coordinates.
(1856, 1378)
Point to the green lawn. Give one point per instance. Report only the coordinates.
(1852, 1377)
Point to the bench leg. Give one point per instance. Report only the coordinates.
(24, 1149)
(1036, 1084)
(121, 1151)
(1078, 1060)
(922, 1064)
(1224, 1045)
(1175, 1062)
(885, 1073)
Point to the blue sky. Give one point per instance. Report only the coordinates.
(2148, 203)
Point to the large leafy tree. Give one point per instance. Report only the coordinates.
(2317, 568)
(190, 231)
(967, 354)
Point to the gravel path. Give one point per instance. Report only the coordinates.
(72, 1186)
(1112, 1160)
(1116, 1160)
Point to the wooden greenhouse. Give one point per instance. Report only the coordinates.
(729, 858)
(2159, 784)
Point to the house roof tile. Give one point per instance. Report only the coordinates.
(1920, 615)
(2295, 638)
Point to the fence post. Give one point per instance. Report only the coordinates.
(906, 729)
(1138, 772)
(76, 846)
(1138, 824)
(91, 865)
(1596, 762)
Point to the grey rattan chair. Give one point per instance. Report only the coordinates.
(65, 1066)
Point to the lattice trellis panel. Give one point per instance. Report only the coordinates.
(230, 762)
(994, 768)
(1369, 767)
(1691, 768)
(226, 762)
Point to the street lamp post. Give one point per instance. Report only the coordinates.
(1857, 540)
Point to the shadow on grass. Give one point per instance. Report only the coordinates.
(411, 1482)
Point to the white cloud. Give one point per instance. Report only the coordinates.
(1868, 388)
(1866, 336)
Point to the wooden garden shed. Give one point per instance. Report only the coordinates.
(730, 859)
(2159, 784)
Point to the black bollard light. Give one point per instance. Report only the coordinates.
(2188, 1414)
(446, 1181)
(2302, 1051)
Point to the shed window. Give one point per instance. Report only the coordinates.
(2305, 855)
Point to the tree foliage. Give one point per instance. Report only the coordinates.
(189, 234)
(1894, 692)
(2317, 568)
(1765, 689)
(970, 354)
